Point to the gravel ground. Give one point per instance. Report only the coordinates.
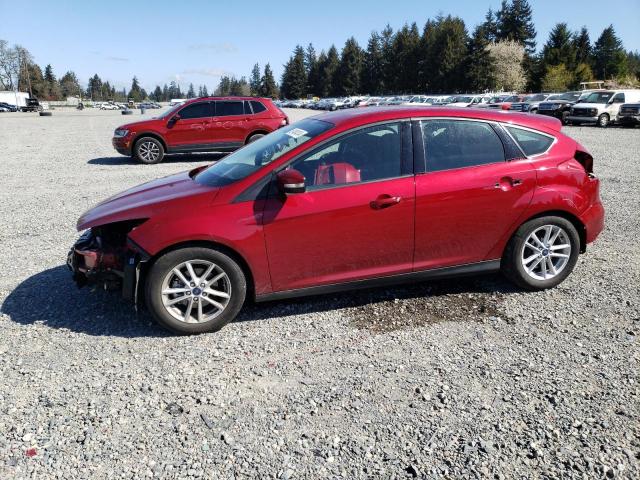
(459, 379)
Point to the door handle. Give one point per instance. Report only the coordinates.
(506, 183)
(384, 201)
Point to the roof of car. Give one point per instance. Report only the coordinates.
(225, 98)
(361, 116)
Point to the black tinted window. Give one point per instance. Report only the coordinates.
(257, 106)
(196, 110)
(532, 143)
(247, 108)
(372, 153)
(460, 143)
(619, 98)
(229, 108)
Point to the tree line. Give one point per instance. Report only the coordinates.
(499, 54)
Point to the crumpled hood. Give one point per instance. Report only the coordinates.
(143, 201)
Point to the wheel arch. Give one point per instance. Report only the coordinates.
(140, 136)
(230, 252)
(262, 131)
(577, 223)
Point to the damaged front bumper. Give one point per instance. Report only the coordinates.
(93, 260)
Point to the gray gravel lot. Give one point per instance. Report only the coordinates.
(459, 379)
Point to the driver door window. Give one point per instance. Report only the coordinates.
(618, 98)
(366, 155)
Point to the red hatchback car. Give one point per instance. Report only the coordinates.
(345, 200)
(212, 124)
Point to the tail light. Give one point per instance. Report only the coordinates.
(285, 121)
(585, 159)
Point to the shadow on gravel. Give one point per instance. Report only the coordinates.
(173, 158)
(51, 298)
(387, 309)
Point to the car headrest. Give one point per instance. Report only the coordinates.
(336, 174)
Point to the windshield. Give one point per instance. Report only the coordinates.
(512, 98)
(534, 98)
(598, 97)
(462, 100)
(571, 96)
(171, 111)
(255, 155)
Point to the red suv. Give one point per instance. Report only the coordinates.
(346, 200)
(214, 124)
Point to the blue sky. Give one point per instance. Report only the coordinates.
(197, 41)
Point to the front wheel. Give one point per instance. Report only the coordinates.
(603, 120)
(148, 150)
(542, 253)
(195, 290)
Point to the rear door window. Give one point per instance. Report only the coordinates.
(532, 143)
(227, 108)
(450, 144)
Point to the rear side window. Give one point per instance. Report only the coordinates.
(453, 144)
(229, 108)
(532, 143)
(257, 106)
(618, 98)
(196, 110)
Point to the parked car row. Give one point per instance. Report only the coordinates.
(600, 107)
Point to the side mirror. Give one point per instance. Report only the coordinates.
(290, 181)
(174, 119)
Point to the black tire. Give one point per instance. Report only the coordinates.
(603, 120)
(148, 150)
(563, 118)
(166, 264)
(124, 112)
(255, 137)
(46, 114)
(534, 111)
(512, 263)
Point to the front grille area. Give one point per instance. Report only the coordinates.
(583, 112)
(630, 110)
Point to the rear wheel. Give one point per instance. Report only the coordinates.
(195, 290)
(148, 150)
(542, 253)
(563, 118)
(254, 137)
(603, 120)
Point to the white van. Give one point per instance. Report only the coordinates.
(601, 106)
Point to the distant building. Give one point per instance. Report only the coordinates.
(19, 99)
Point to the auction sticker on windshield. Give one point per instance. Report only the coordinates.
(296, 133)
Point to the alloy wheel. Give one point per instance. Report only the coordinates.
(196, 291)
(149, 151)
(546, 252)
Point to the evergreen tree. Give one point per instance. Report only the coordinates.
(490, 27)
(559, 50)
(388, 60)
(372, 82)
(311, 68)
(49, 77)
(268, 87)
(224, 87)
(350, 69)
(94, 89)
(406, 44)
(317, 81)
(135, 92)
(51, 85)
(610, 57)
(515, 22)
(200, 91)
(69, 85)
(445, 46)
(254, 80)
(294, 77)
(205, 92)
(330, 68)
(157, 94)
(633, 64)
(165, 93)
(479, 65)
(191, 93)
(582, 47)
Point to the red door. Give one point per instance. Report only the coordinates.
(461, 214)
(192, 129)
(336, 235)
(230, 123)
